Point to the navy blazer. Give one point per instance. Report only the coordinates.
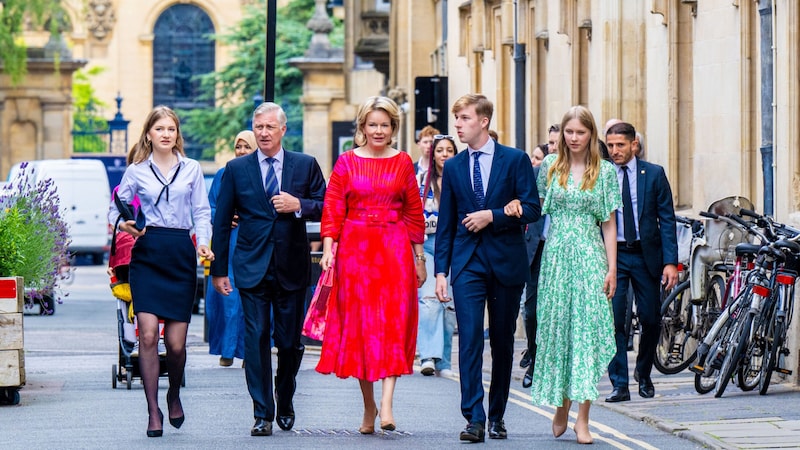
(533, 233)
(656, 217)
(263, 232)
(502, 241)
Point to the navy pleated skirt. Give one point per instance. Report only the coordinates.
(163, 273)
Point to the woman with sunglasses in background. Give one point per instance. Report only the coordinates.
(437, 321)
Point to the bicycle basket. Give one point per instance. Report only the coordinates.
(721, 236)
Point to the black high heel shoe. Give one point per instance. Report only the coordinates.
(177, 421)
(157, 433)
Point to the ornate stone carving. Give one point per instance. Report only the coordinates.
(100, 18)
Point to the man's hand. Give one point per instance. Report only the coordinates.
(285, 203)
(441, 288)
(669, 277)
(222, 285)
(513, 208)
(478, 220)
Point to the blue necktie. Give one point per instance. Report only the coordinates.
(477, 181)
(270, 180)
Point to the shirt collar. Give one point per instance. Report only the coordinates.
(278, 156)
(181, 159)
(488, 148)
(631, 165)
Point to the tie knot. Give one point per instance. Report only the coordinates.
(270, 159)
(477, 154)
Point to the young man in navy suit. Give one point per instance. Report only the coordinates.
(484, 252)
(273, 192)
(647, 256)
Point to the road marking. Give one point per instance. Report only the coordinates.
(545, 411)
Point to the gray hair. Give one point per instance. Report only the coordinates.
(268, 107)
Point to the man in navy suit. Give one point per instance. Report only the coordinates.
(484, 252)
(273, 192)
(534, 244)
(647, 256)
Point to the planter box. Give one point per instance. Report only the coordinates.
(12, 359)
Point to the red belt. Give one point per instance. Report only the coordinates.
(374, 215)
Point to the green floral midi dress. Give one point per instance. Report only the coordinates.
(575, 334)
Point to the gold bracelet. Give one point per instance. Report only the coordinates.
(420, 257)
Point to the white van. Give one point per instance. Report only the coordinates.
(84, 196)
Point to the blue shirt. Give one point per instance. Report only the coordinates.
(185, 207)
(632, 176)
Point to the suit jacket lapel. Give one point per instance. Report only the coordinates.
(498, 168)
(641, 187)
(288, 170)
(466, 180)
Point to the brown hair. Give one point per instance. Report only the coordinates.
(433, 172)
(144, 148)
(563, 161)
(376, 103)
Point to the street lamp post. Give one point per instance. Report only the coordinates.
(269, 74)
(118, 130)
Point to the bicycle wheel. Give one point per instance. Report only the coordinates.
(735, 347)
(749, 373)
(771, 355)
(677, 346)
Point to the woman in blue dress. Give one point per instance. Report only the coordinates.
(224, 314)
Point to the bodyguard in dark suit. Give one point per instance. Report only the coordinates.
(647, 256)
(534, 244)
(484, 252)
(274, 192)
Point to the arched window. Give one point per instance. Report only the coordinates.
(182, 49)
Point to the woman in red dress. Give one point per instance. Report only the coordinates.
(373, 211)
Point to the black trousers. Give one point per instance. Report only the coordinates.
(259, 304)
(531, 296)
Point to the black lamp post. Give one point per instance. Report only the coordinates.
(118, 130)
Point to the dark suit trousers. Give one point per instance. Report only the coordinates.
(631, 270)
(531, 296)
(477, 288)
(257, 304)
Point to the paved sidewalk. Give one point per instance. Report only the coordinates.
(737, 420)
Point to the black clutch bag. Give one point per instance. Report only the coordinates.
(126, 213)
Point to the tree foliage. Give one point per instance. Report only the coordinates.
(88, 125)
(12, 18)
(232, 88)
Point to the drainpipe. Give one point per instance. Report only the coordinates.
(767, 50)
(519, 82)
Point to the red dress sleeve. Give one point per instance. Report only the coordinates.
(334, 208)
(412, 204)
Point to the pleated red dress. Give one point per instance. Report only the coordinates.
(373, 210)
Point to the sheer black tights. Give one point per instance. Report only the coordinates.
(175, 340)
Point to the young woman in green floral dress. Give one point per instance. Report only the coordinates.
(575, 335)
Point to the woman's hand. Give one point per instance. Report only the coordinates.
(610, 284)
(205, 252)
(326, 261)
(129, 227)
(513, 208)
(422, 272)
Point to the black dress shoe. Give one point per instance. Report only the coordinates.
(497, 430)
(619, 394)
(262, 427)
(176, 422)
(285, 421)
(474, 432)
(526, 359)
(157, 433)
(527, 380)
(646, 388)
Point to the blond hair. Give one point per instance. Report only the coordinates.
(376, 103)
(564, 155)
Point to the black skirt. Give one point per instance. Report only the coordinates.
(163, 273)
